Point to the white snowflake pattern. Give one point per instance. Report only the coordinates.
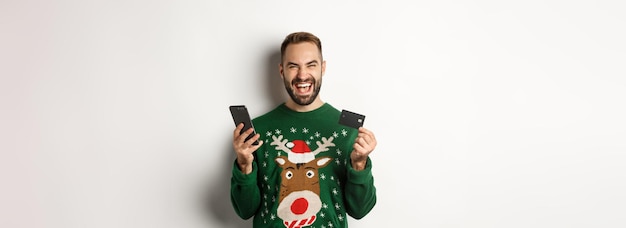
(322, 176)
(317, 134)
(268, 133)
(339, 152)
(335, 134)
(322, 214)
(337, 161)
(344, 132)
(335, 192)
(330, 224)
(264, 164)
(277, 131)
(340, 217)
(293, 130)
(325, 206)
(265, 177)
(332, 178)
(305, 130)
(308, 142)
(272, 217)
(337, 206)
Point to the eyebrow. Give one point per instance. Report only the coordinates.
(311, 62)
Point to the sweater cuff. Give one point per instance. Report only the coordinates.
(360, 177)
(244, 179)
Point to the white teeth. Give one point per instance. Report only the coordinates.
(303, 85)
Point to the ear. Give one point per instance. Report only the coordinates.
(323, 67)
(281, 160)
(281, 71)
(323, 161)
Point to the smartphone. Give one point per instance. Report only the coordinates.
(351, 119)
(240, 115)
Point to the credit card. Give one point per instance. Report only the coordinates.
(351, 119)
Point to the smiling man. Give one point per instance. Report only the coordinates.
(301, 69)
(307, 170)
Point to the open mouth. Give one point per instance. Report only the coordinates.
(303, 88)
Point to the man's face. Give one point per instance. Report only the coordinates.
(302, 70)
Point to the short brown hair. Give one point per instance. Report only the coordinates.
(299, 37)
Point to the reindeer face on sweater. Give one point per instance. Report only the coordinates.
(300, 176)
(299, 198)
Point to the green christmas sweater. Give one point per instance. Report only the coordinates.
(302, 174)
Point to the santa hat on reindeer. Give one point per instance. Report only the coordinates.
(299, 152)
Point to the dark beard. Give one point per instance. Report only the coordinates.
(303, 100)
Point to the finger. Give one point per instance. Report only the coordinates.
(254, 148)
(357, 147)
(240, 140)
(371, 141)
(244, 146)
(368, 136)
(360, 149)
(363, 130)
(367, 145)
(366, 132)
(252, 140)
(365, 137)
(362, 141)
(245, 134)
(237, 130)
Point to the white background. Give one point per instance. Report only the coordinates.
(114, 114)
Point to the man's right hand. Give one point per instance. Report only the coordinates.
(244, 149)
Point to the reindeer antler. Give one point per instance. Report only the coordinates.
(323, 146)
(280, 143)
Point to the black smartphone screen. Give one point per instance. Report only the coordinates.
(240, 115)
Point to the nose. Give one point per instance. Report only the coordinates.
(299, 206)
(302, 72)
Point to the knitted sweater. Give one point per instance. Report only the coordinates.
(302, 174)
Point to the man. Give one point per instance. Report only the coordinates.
(307, 170)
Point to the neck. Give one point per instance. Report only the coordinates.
(304, 108)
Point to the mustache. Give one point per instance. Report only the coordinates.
(297, 81)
